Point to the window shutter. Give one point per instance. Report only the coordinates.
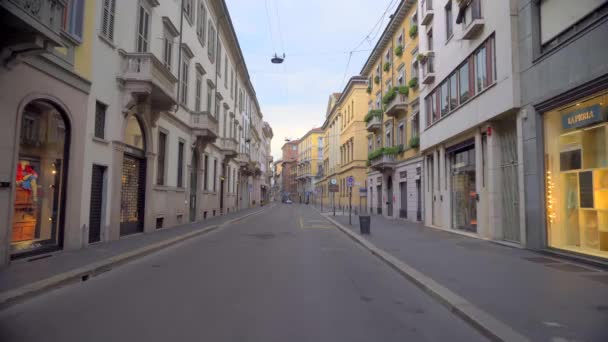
(489, 62)
(472, 76)
(111, 12)
(105, 18)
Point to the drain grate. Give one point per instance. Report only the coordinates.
(542, 260)
(569, 268)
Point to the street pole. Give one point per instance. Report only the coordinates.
(350, 205)
(333, 199)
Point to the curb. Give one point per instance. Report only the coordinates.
(480, 320)
(12, 297)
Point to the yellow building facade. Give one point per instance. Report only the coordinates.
(310, 157)
(346, 151)
(392, 119)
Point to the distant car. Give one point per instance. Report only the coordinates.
(288, 201)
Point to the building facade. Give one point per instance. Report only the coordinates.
(394, 180)
(168, 122)
(45, 79)
(289, 171)
(310, 158)
(565, 126)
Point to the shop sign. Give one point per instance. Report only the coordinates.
(582, 117)
(334, 188)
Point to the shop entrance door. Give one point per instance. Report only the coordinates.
(133, 195)
(419, 201)
(379, 196)
(96, 203)
(403, 199)
(193, 185)
(510, 182)
(464, 193)
(389, 196)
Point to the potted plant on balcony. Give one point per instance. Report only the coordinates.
(413, 31)
(391, 151)
(377, 79)
(399, 50)
(371, 114)
(414, 142)
(389, 96)
(413, 83)
(421, 57)
(403, 90)
(386, 67)
(369, 89)
(375, 154)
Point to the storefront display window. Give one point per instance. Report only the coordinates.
(464, 193)
(38, 202)
(576, 176)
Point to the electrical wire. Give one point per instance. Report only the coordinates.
(276, 11)
(269, 22)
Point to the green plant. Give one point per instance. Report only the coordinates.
(414, 142)
(371, 114)
(387, 66)
(399, 51)
(369, 89)
(391, 151)
(377, 79)
(413, 83)
(389, 96)
(368, 163)
(421, 57)
(375, 154)
(403, 90)
(413, 31)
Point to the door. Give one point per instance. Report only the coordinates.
(193, 185)
(510, 182)
(96, 203)
(133, 195)
(222, 196)
(379, 195)
(431, 173)
(418, 201)
(464, 193)
(403, 199)
(389, 196)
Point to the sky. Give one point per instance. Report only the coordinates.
(316, 37)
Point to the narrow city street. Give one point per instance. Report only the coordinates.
(286, 274)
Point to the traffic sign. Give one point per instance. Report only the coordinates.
(351, 181)
(333, 181)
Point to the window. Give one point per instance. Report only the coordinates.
(388, 142)
(189, 9)
(453, 91)
(180, 165)
(199, 91)
(429, 37)
(370, 144)
(401, 77)
(107, 19)
(415, 125)
(160, 168)
(214, 174)
(225, 122)
(217, 108)
(414, 72)
(167, 50)
(464, 82)
(226, 71)
(449, 20)
(74, 18)
(206, 173)
(434, 109)
(378, 100)
(481, 72)
(201, 19)
(100, 120)
(401, 134)
(211, 43)
(184, 81)
(445, 95)
(143, 29)
(232, 83)
(219, 58)
(400, 41)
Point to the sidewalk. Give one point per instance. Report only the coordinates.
(23, 273)
(540, 297)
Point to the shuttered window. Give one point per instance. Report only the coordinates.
(100, 120)
(107, 19)
(180, 165)
(162, 146)
(143, 30)
(201, 20)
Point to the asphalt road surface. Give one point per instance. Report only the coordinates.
(283, 275)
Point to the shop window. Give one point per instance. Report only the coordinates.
(576, 176)
(40, 181)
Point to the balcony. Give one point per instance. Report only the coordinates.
(397, 106)
(373, 121)
(427, 12)
(204, 126)
(383, 162)
(243, 159)
(144, 74)
(471, 18)
(30, 27)
(428, 70)
(229, 147)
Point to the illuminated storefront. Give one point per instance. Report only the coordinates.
(576, 176)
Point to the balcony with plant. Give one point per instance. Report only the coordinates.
(413, 31)
(373, 120)
(377, 79)
(399, 51)
(386, 67)
(413, 83)
(395, 100)
(369, 89)
(415, 142)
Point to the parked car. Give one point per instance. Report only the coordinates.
(288, 201)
